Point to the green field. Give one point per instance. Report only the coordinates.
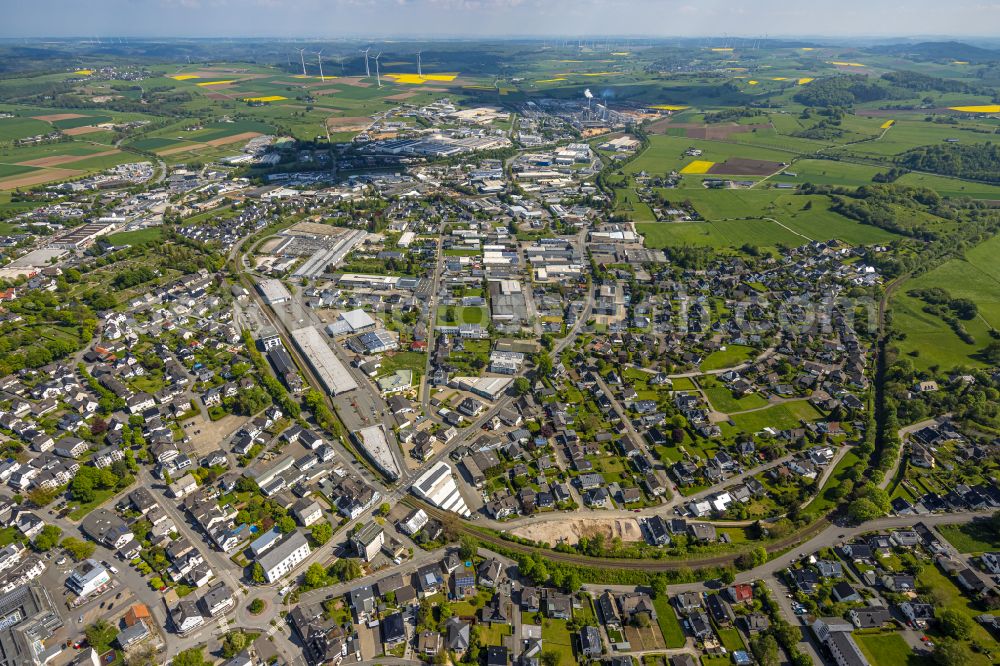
(670, 626)
(136, 237)
(19, 128)
(731, 356)
(780, 417)
(557, 637)
(765, 218)
(827, 499)
(463, 315)
(7, 170)
(974, 537)
(933, 342)
(947, 595)
(888, 649)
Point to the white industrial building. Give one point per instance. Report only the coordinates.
(438, 487)
(347, 323)
(490, 388)
(273, 292)
(375, 445)
(333, 374)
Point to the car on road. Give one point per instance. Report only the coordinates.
(61, 561)
(113, 569)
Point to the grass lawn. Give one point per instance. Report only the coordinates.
(826, 499)
(670, 627)
(714, 661)
(415, 361)
(728, 357)
(493, 634)
(136, 237)
(887, 650)
(463, 315)
(556, 637)
(974, 537)
(947, 595)
(731, 639)
(682, 384)
(780, 417)
(100, 497)
(723, 400)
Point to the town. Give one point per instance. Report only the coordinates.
(532, 381)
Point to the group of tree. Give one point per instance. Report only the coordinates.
(975, 161)
(89, 480)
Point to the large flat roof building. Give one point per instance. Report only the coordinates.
(375, 445)
(28, 619)
(332, 374)
(273, 292)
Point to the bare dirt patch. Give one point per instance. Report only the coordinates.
(401, 96)
(52, 117)
(242, 136)
(173, 150)
(644, 638)
(86, 129)
(56, 160)
(207, 435)
(571, 530)
(36, 177)
(742, 166)
(325, 91)
(346, 123)
(358, 81)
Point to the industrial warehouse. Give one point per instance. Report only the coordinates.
(333, 374)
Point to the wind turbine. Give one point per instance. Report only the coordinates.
(420, 72)
(368, 73)
(378, 78)
(303, 61)
(319, 57)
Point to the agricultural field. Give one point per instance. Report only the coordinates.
(929, 339)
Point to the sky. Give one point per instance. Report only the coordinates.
(483, 18)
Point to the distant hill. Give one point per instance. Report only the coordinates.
(938, 51)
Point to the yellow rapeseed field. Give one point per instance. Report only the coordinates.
(841, 63)
(669, 107)
(416, 79)
(723, 49)
(979, 108)
(807, 48)
(753, 83)
(84, 72)
(216, 83)
(184, 77)
(555, 80)
(887, 124)
(269, 98)
(698, 166)
(780, 78)
(804, 80)
(960, 62)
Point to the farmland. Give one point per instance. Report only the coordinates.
(931, 341)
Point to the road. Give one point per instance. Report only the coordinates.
(903, 432)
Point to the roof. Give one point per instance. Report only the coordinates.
(292, 542)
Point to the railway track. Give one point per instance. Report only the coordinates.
(608, 562)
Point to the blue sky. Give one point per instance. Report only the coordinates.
(477, 18)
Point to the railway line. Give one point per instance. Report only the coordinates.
(726, 559)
